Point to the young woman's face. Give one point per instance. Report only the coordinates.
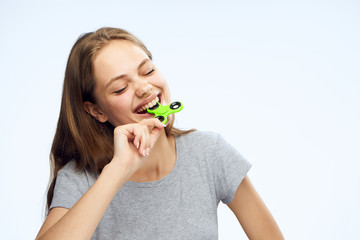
(126, 80)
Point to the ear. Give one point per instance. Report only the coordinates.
(95, 111)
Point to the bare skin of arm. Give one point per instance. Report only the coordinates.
(81, 221)
(132, 143)
(253, 215)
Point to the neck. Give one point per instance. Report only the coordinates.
(160, 162)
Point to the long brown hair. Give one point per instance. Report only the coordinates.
(79, 136)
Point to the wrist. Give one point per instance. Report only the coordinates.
(116, 172)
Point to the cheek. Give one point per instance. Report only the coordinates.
(160, 82)
(120, 104)
(113, 106)
(118, 111)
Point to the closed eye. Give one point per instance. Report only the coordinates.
(150, 72)
(120, 90)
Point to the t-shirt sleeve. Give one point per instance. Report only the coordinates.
(70, 185)
(230, 168)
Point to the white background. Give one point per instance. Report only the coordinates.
(278, 79)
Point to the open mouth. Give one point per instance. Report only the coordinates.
(144, 108)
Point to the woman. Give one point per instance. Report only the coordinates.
(119, 173)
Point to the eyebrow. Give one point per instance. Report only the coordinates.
(123, 75)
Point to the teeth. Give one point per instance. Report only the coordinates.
(149, 105)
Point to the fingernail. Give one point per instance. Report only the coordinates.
(164, 125)
(137, 145)
(144, 153)
(147, 151)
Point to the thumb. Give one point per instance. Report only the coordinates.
(155, 134)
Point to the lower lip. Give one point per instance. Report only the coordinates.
(146, 115)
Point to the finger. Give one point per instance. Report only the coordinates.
(155, 128)
(153, 122)
(145, 141)
(127, 130)
(148, 140)
(137, 138)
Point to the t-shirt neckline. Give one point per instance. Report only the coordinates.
(165, 179)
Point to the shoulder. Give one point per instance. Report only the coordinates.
(70, 185)
(206, 141)
(210, 144)
(75, 175)
(202, 144)
(204, 138)
(70, 169)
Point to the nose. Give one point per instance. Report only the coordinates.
(144, 89)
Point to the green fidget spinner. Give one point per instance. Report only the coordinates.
(161, 112)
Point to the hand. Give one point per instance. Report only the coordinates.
(133, 143)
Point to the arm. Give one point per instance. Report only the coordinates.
(132, 143)
(253, 215)
(82, 219)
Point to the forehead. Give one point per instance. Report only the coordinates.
(116, 58)
(118, 51)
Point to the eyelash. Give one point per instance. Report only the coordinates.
(151, 71)
(120, 90)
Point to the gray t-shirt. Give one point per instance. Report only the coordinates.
(182, 205)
